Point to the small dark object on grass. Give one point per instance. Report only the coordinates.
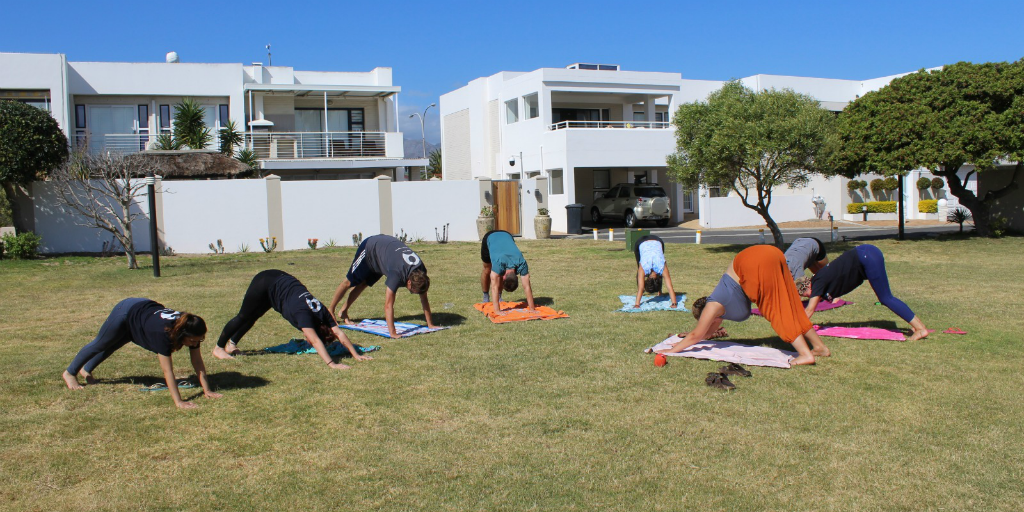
(734, 369)
(717, 380)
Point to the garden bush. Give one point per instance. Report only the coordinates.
(891, 183)
(937, 183)
(873, 207)
(928, 205)
(877, 186)
(22, 246)
(923, 183)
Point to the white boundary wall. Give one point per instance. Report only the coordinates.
(420, 207)
(727, 212)
(197, 213)
(61, 233)
(328, 209)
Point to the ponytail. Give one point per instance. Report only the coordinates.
(186, 326)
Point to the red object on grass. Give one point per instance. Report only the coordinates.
(954, 330)
(660, 360)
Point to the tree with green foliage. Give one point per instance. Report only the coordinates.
(31, 146)
(962, 115)
(189, 127)
(750, 142)
(434, 165)
(230, 137)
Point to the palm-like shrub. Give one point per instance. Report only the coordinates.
(959, 215)
(230, 137)
(189, 128)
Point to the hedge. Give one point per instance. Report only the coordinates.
(928, 206)
(873, 207)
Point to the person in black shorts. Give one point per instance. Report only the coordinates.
(503, 267)
(153, 327)
(376, 257)
(286, 295)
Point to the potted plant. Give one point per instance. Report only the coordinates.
(485, 222)
(542, 223)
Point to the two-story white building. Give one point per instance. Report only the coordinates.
(588, 127)
(300, 124)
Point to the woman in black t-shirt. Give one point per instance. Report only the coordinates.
(153, 327)
(279, 290)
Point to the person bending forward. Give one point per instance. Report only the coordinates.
(503, 266)
(651, 268)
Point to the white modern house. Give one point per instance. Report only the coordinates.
(301, 124)
(588, 127)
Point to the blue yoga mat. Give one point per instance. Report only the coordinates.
(651, 303)
(301, 346)
(380, 328)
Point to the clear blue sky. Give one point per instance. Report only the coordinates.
(435, 47)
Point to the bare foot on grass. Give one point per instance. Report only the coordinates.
(89, 379)
(220, 353)
(71, 381)
(918, 335)
(802, 360)
(822, 351)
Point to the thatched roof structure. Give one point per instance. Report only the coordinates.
(194, 164)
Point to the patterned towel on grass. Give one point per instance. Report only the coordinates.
(822, 306)
(516, 311)
(651, 303)
(380, 328)
(731, 352)
(301, 346)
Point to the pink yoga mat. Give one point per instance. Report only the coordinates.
(862, 333)
(731, 352)
(822, 306)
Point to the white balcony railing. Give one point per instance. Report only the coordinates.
(654, 125)
(300, 145)
(123, 143)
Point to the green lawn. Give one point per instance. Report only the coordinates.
(559, 415)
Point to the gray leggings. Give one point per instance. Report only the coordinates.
(730, 295)
(113, 335)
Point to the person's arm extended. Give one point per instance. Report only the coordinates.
(425, 302)
(314, 340)
(338, 333)
(338, 294)
(812, 304)
(196, 356)
(671, 291)
(172, 386)
(389, 311)
(639, 285)
(710, 321)
(496, 291)
(529, 292)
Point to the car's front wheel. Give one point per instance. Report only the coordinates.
(595, 214)
(630, 219)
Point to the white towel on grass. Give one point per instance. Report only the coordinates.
(731, 352)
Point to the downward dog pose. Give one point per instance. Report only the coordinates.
(503, 265)
(806, 253)
(650, 268)
(379, 256)
(153, 327)
(757, 274)
(279, 290)
(849, 271)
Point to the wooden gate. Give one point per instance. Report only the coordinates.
(506, 205)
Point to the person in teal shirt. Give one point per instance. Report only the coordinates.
(503, 266)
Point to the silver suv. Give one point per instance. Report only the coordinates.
(633, 203)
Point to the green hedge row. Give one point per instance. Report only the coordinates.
(928, 206)
(873, 207)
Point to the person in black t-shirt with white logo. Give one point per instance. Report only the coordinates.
(153, 327)
(379, 256)
(286, 295)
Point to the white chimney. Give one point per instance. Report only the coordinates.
(172, 57)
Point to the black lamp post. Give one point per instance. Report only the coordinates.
(154, 245)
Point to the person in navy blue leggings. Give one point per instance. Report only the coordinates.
(850, 270)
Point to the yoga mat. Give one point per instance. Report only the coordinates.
(731, 352)
(862, 333)
(516, 311)
(380, 328)
(822, 306)
(301, 346)
(651, 303)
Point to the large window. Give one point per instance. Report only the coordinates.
(338, 120)
(512, 111)
(165, 119)
(532, 105)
